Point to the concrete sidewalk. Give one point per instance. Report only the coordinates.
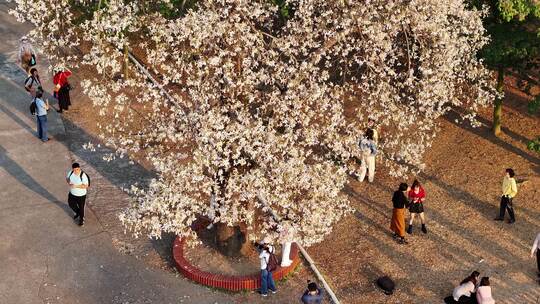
(44, 256)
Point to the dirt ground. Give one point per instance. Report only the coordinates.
(464, 172)
(462, 182)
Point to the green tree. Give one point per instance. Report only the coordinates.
(515, 43)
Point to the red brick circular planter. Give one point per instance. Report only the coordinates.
(233, 283)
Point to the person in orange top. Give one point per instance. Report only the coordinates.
(62, 88)
(417, 195)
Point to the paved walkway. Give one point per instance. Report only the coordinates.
(44, 256)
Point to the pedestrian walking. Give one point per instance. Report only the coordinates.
(536, 249)
(509, 191)
(417, 196)
(27, 55)
(465, 292)
(62, 88)
(32, 84)
(399, 201)
(368, 150)
(41, 116)
(483, 293)
(313, 294)
(268, 265)
(79, 182)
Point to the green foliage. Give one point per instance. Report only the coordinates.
(284, 8)
(519, 9)
(534, 145)
(177, 8)
(534, 105)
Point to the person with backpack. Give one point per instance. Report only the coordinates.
(40, 108)
(509, 191)
(368, 150)
(79, 182)
(269, 263)
(313, 294)
(27, 55)
(32, 84)
(62, 88)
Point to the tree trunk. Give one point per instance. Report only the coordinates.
(497, 110)
(125, 63)
(286, 250)
(231, 241)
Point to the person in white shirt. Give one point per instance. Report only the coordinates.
(267, 281)
(78, 182)
(483, 293)
(536, 249)
(464, 293)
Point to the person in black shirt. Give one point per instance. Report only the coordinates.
(400, 201)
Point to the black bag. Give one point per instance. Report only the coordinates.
(386, 284)
(82, 172)
(33, 107)
(272, 263)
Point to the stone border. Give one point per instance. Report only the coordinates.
(232, 283)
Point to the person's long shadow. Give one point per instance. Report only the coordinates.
(11, 167)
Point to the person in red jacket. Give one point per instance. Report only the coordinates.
(62, 88)
(417, 195)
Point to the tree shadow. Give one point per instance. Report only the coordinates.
(485, 133)
(11, 167)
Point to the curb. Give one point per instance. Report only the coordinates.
(232, 283)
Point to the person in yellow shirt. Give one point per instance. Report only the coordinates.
(509, 190)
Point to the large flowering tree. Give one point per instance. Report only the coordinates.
(266, 102)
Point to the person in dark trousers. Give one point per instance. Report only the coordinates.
(313, 294)
(465, 292)
(41, 116)
(417, 196)
(536, 249)
(78, 182)
(62, 88)
(267, 280)
(399, 201)
(32, 84)
(509, 191)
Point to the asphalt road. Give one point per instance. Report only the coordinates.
(44, 256)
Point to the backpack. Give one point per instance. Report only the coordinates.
(272, 263)
(33, 107)
(386, 284)
(31, 83)
(82, 172)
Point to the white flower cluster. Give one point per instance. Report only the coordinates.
(267, 106)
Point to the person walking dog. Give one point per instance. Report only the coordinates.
(79, 182)
(509, 191)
